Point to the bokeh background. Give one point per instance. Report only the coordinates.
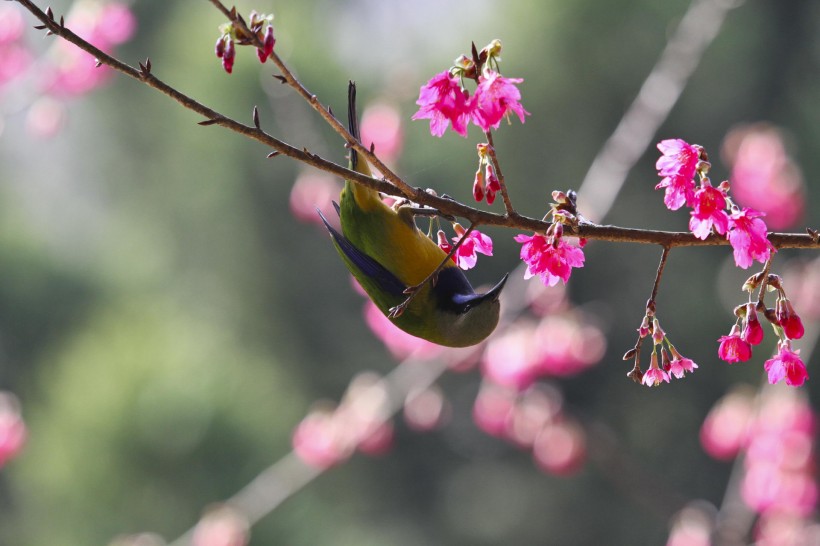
(166, 322)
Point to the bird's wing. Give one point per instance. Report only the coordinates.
(370, 268)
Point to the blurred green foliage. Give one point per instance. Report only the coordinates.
(166, 322)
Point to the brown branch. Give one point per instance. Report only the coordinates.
(504, 193)
(405, 189)
(392, 185)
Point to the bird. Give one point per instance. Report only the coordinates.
(388, 255)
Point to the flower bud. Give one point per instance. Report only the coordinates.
(478, 186)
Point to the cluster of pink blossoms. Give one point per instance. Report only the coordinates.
(775, 432)
(233, 34)
(712, 209)
(549, 255)
(64, 70)
(445, 101)
(663, 367)
(747, 331)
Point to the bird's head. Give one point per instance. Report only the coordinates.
(469, 318)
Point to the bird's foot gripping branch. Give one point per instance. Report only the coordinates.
(416, 278)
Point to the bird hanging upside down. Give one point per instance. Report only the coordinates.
(387, 253)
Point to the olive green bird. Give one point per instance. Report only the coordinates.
(387, 253)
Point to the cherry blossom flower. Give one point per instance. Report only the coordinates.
(708, 204)
(495, 98)
(786, 364)
(788, 319)
(733, 348)
(553, 262)
(444, 102)
(748, 237)
(680, 364)
(752, 330)
(465, 256)
(654, 375)
(677, 165)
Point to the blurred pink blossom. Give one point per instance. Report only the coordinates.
(221, 526)
(568, 344)
(12, 23)
(318, 442)
(14, 60)
(381, 126)
(492, 408)
(13, 431)
(511, 358)
(75, 72)
(400, 344)
(725, 430)
(560, 448)
(425, 410)
(764, 176)
(314, 190)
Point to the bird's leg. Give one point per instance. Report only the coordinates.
(412, 211)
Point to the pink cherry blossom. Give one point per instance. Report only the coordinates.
(465, 256)
(677, 165)
(786, 364)
(708, 204)
(733, 348)
(553, 262)
(495, 98)
(680, 364)
(654, 375)
(748, 237)
(444, 102)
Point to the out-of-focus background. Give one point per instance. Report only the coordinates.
(166, 321)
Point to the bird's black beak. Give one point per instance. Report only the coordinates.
(495, 291)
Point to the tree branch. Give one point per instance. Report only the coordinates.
(392, 185)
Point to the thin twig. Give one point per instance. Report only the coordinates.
(658, 276)
(504, 193)
(405, 189)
